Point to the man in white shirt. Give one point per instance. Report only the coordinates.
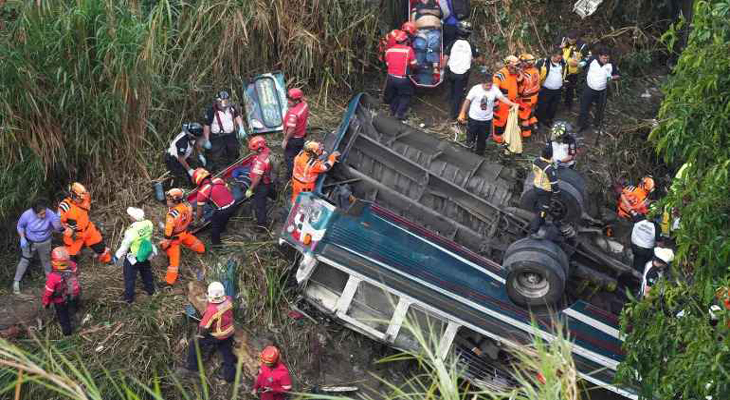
(644, 236)
(477, 112)
(551, 78)
(600, 72)
(458, 58)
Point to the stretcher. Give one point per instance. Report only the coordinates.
(425, 75)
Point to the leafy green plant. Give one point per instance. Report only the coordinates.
(672, 349)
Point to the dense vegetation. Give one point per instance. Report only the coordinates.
(683, 356)
(88, 85)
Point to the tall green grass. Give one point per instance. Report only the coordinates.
(87, 86)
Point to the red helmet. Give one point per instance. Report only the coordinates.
(400, 36)
(295, 94)
(409, 28)
(199, 175)
(256, 143)
(60, 258)
(270, 355)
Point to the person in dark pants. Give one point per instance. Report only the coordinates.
(644, 237)
(215, 191)
(600, 72)
(551, 76)
(222, 121)
(260, 176)
(546, 186)
(62, 288)
(458, 58)
(136, 250)
(215, 330)
(477, 112)
(398, 88)
(178, 157)
(574, 54)
(295, 128)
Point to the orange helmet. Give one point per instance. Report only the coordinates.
(175, 194)
(77, 190)
(256, 143)
(400, 36)
(313, 147)
(409, 28)
(527, 58)
(270, 355)
(60, 258)
(199, 175)
(647, 183)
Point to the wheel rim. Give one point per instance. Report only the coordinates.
(531, 284)
(558, 209)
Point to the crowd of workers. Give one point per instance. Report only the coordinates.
(533, 88)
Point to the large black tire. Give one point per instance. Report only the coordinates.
(535, 277)
(568, 207)
(544, 246)
(575, 179)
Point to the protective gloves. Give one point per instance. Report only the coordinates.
(249, 193)
(23, 242)
(242, 132)
(190, 171)
(207, 145)
(202, 159)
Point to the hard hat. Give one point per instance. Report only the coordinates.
(199, 175)
(137, 214)
(647, 183)
(175, 195)
(527, 57)
(664, 254)
(193, 128)
(223, 99)
(77, 190)
(270, 355)
(463, 28)
(295, 94)
(409, 28)
(400, 36)
(558, 130)
(313, 147)
(60, 258)
(256, 143)
(216, 292)
(511, 60)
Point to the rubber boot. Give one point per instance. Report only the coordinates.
(16, 287)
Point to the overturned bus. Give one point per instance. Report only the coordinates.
(407, 227)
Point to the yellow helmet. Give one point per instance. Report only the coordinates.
(528, 58)
(313, 147)
(511, 60)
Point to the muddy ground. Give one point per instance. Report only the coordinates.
(318, 350)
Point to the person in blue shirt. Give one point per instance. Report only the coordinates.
(35, 228)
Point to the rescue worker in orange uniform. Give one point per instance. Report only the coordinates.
(634, 200)
(507, 81)
(177, 222)
(62, 288)
(215, 330)
(261, 183)
(307, 167)
(79, 230)
(528, 89)
(273, 381)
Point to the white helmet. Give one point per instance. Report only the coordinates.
(663, 254)
(216, 292)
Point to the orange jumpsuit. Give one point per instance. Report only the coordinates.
(176, 232)
(637, 198)
(528, 90)
(80, 231)
(507, 84)
(306, 171)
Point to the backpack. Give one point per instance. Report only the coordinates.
(461, 9)
(144, 251)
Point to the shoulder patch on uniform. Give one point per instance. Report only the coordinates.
(64, 206)
(174, 213)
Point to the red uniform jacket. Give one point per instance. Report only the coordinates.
(399, 58)
(58, 284)
(218, 318)
(274, 378)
